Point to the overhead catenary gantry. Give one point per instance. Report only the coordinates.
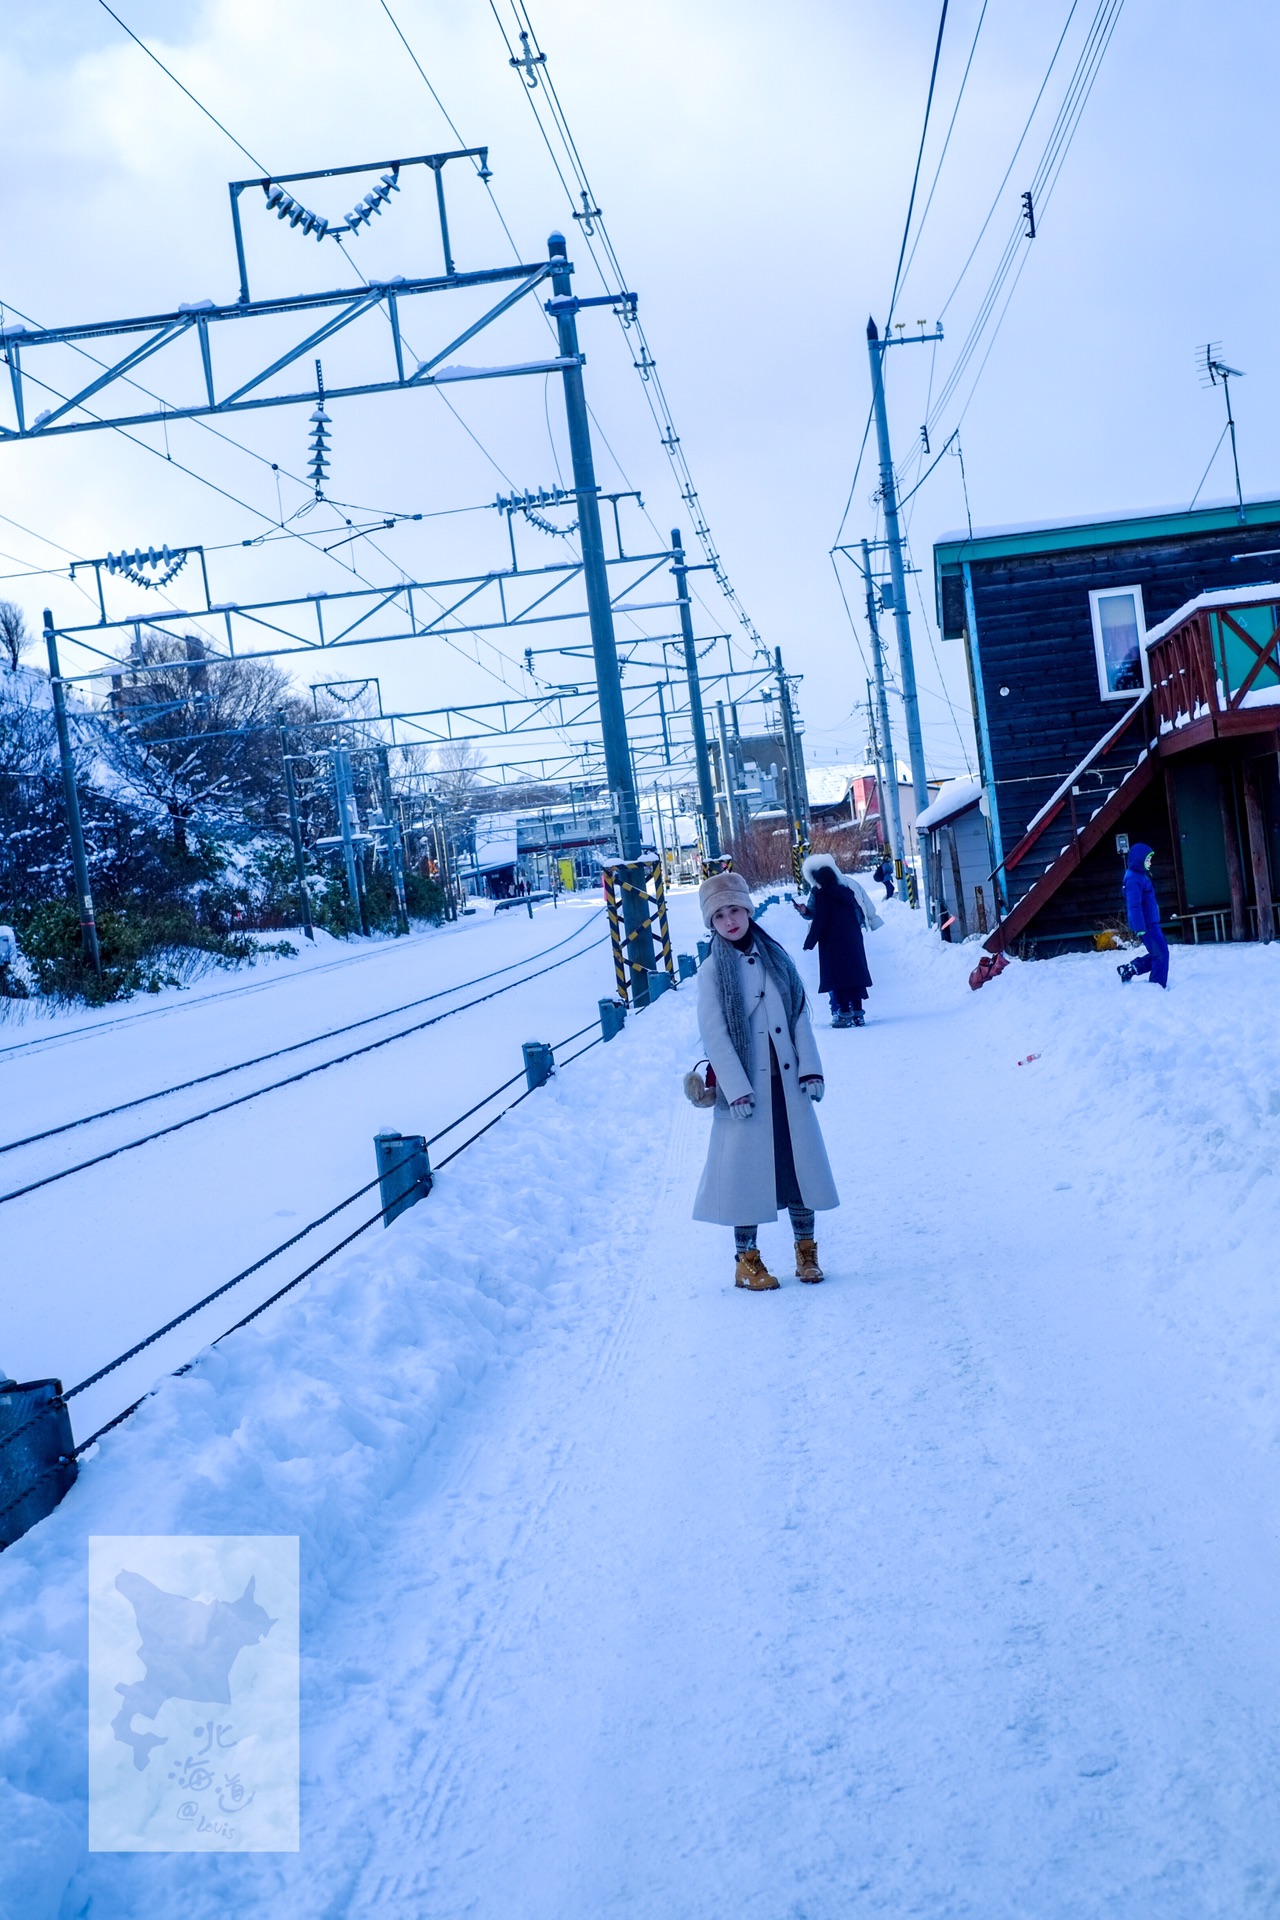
(226, 357)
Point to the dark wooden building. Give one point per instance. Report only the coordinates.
(1124, 685)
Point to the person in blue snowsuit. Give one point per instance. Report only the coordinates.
(1144, 918)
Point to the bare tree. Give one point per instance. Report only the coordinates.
(457, 767)
(197, 732)
(14, 637)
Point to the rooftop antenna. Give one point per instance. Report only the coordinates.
(1217, 371)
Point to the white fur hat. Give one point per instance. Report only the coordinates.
(723, 890)
(814, 865)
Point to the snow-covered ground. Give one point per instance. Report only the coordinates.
(128, 1244)
(946, 1588)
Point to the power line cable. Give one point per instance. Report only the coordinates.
(915, 178)
(964, 78)
(177, 83)
(1013, 157)
(594, 228)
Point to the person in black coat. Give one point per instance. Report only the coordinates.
(837, 933)
(884, 874)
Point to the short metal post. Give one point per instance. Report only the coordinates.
(38, 1466)
(404, 1172)
(539, 1063)
(613, 1017)
(688, 966)
(80, 865)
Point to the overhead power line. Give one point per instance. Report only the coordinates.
(170, 75)
(951, 124)
(915, 178)
(1047, 174)
(572, 174)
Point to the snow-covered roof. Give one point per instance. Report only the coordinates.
(495, 841)
(828, 785)
(964, 536)
(1216, 597)
(956, 796)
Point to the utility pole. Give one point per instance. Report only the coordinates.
(797, 797)
(613, 719)
(876, 348)
(697, 719)
(345, 796)
(395, 846)
(729, 773)
(295, 832)
(889, 793)
(80, 865)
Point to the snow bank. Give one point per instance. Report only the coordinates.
(308, 1421)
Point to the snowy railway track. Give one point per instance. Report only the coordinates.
(49, 1179)
(201, 1003)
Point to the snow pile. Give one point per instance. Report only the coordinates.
(954, 797)
(310, 1421)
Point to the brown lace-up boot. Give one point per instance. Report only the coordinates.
(753, 1273)
(807, 1267)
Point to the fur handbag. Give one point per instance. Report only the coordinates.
(699, 1087)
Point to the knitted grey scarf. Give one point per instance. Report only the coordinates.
(778, 963)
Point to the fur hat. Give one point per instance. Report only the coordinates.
(814, 865)
(723, 890)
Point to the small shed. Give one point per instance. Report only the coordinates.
(953, 837)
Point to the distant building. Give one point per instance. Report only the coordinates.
(541, 847)
(1125, 686)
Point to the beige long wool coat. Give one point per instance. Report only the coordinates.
(738, 1188)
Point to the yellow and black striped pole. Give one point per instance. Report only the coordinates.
(664, 931)
(615, 933)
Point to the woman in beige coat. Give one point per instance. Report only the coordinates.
(766, 1146)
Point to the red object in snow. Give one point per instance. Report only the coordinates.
(1027, 1062)
(990, 965)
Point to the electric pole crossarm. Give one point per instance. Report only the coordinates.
(169, 329)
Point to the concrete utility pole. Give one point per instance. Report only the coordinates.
(729, 774)
(797, 790)
(395, 846)
(697, 719)
(344, 793)
(80, 865)
(295, 834)
(876, 348)
(889, 798)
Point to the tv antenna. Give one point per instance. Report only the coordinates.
(1217, 372)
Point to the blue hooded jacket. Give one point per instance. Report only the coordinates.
(1139, 894)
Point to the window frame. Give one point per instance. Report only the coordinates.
(1099, 650)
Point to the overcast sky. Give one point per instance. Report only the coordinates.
(754, 165)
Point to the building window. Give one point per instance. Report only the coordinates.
(1119, 630)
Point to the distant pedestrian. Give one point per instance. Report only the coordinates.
(884, 874)
(1144, 918)
(766, 1146)
(841, 911)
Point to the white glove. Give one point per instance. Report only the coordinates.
(744, 1108)
(815, 1086)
